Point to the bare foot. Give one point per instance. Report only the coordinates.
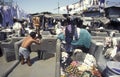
(28, 63)
(22, 62)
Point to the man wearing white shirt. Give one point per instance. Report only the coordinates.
(17, 27)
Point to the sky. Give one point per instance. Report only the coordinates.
(37, 6)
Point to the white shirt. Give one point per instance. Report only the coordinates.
(17, 26)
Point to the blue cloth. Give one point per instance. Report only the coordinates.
(1, 21)
(84, 39)
(117, 70)
(10, 17)
(7, 15)
(102, 1)
(14, 11)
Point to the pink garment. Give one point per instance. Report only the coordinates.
(74, 63)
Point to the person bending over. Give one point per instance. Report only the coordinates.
(24, 51)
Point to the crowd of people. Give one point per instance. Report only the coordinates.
(71, 35)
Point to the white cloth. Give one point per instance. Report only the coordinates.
(78, 32)
(24, 51)
(17, 27)
(114, 51)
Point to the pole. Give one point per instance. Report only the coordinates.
(58, 7)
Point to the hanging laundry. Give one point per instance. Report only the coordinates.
(1, 16)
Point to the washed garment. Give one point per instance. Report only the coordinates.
(24, 51)
(14, 11)
(102, 1)
(6, 14)
(1, 18)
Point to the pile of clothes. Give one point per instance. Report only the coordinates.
(111, 48)
(84, 66)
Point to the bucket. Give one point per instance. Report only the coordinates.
(112, 68)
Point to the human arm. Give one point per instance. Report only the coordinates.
(37, 41)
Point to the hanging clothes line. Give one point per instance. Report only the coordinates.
(8, 13)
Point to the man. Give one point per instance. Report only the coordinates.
(17, 26)
(24, 48)
(69, 33)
